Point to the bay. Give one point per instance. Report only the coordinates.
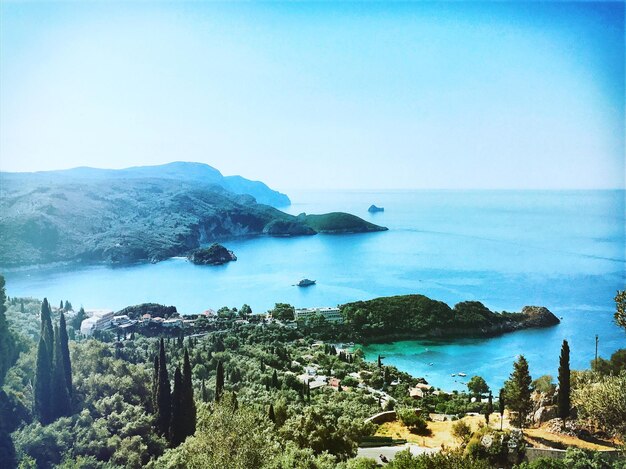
(559, 249)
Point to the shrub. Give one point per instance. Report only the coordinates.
(413, 421)
(462, 431)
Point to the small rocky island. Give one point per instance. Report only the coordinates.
(216, 254)
(374, 209)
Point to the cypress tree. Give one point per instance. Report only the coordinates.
(219, 381)
(177, 429)
(275, 380)
(61, 305)
(42, 385)
(46, 329)
(155, 382)
(564, 382)
(60, 397)
(379, 362)
(163, 394)
(188, 403)
(7, 341)
(489, 408)
(518, 390)
(65, 352)
(22, 311)
(501, 405)
(204, 392)
(308, 391)
(271, 414)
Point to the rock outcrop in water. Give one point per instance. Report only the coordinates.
(216, 254)
(374, 209)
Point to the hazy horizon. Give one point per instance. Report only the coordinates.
(304, 96)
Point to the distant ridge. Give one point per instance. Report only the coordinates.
(140, 214)
(179, 170)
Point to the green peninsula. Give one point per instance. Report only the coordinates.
(407, 317)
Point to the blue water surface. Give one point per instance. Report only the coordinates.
(561, 249)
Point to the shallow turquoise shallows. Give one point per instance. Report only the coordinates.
(562, 250)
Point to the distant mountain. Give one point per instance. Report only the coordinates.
(89, 217)
(180, 171)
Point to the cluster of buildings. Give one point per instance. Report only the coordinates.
(105, 319)
(328, 313)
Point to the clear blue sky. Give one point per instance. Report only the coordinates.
(320, 95)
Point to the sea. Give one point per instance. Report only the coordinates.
(564, 250)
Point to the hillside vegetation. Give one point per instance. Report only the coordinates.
(129, 220)
(414, 316)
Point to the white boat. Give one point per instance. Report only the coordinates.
(462, 374)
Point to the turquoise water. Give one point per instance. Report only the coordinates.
(562, 250)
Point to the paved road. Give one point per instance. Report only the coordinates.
(390, 451)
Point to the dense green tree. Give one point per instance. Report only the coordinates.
(477, 385)
(7, 341)
(60, 397)
(488, 408)
(413, 421)
(517, 390)
(204, 392)
(275, 383)
(177, 425)
(42, 384)
(544, 385)
(283, 312)
(245, 311)
(155, 383)
(65, 352)
(188, 405)
(614, 366)
(68, 306)
(226, 438)
(78, 319)
(271, 414)
(219, 381)
(501, 407)
(163, 394)
(47, 331)
(564, 382)
(7, 450)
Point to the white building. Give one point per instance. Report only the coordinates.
(330, 314)
(98, 320)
